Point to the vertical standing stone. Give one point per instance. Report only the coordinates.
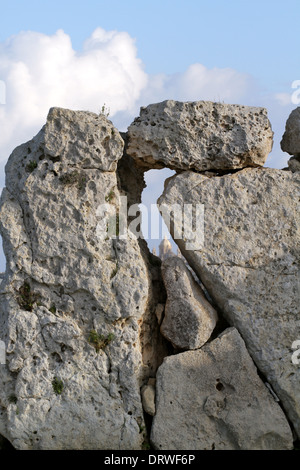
(73, 298)
(249, 263)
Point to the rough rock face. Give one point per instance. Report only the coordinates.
(189, 318)
(81, 309)
(249, 263)
(73, 299)
(200, 135)
(90, 139)
(212, 398)
(148, 397)
(2, 353)
(290, 142)
(294, 164)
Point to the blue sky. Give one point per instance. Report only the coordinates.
(257, 37)
(80, 54)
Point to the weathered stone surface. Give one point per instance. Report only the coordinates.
(81, 136)
(72, 299)
(148, 398)
(249, 263)
(2, 353)
(290, 142)
(159, 312)
(131, 176)
(200, 135)
(294, 164)
(189, 318)
(80, 312)
(212, 398)
(153, 345)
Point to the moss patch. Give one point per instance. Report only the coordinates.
(26, 298)
(100, 341)
(57, 385)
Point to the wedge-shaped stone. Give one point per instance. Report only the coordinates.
(189, 318)
(72, 299)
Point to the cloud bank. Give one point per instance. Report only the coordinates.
(200, 83)
(38, 71)
(41, 71)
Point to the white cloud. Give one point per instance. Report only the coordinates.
(42, 71)
(283, 99)
(200, 83)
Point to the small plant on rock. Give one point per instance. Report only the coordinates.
(73, 178)
(105, 111)
(31, 166)
(57, 385)
(114, 272)
(146, 445)
(81, 182)
(26, 298)
(52, 309)
(100, 341)
(109, 197)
